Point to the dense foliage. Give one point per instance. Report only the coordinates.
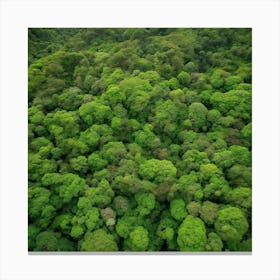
(139, 139)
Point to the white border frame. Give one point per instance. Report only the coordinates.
(17, 16)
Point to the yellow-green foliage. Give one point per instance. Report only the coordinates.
(139, 139)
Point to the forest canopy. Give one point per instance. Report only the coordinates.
(139, 139)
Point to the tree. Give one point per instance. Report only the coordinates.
(90, 137)
(32, 233)
(99, 241)
(94, 112)
(232, 82)
(184, 78)
(217, 79)
(71, 99)
(62, 223)
(79, 164)
(236, 103)
(194, 208)
(48, 213)
(231, 224)
(157, 170)
(173, 83)
(192, 235)
(66, 245)
(239, 175)
(146, 138)
(167, 227)
(102, 195)
(93, 220)
(209, 212)
(71, 186)
(46, 241)
(113, 152)
(193, 160)
(217, 189)
(77, 231)
(72, 147)
(125, 225)
(152, 76)
(198, 116)
(241, 155)
(40, 142)
(121, 205)
(105, 132)
(138, 239)
(131, 184)
(37, 167)
(67, 185)
(241, 197)
(109, 216)
(136, 92)
(84, 204)
(247, 133)
(178, 209)
(186, 186)
(113, 96)
(177, 96)
(214, 243)
(37, 199)
(62, 124)
(165, 112)
(208, 171)
(146, 203)
(223, 159)
(96, 163)
(213, 116)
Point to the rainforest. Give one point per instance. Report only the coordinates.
(139, 139)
